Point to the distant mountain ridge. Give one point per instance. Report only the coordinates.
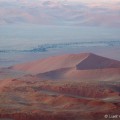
(46, 47)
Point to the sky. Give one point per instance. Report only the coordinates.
(38, 25)
(90, 1)
(61, 12)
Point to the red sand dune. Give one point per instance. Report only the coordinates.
(83, 61)
(51, 63)
(75, 66)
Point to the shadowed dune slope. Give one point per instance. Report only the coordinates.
(97, 62)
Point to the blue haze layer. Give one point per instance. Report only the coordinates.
(19, 41)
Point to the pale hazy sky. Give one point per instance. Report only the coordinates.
(90, 1)
(61, 12)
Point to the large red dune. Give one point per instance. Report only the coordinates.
(73, 66)
(83, 61)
